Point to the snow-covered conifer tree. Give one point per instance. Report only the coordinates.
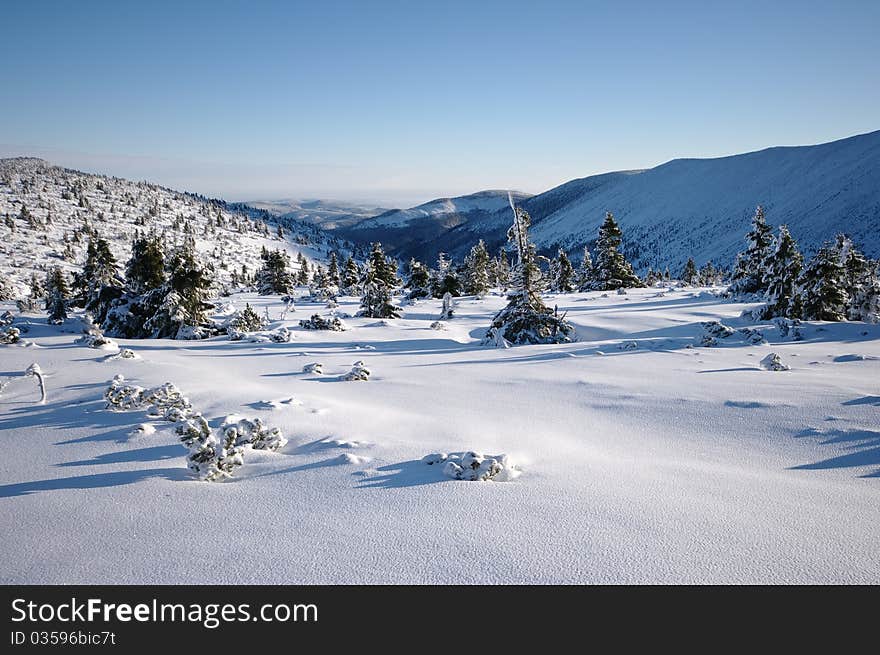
(274, 277)
(476, 278)
(784, 266)
(689, 275)
(526, 319)
(586, 277)
(418, 280)
(563, 273)
(751, 265)
(350, 277)
(376, 301)
(823, 287)
(612, 270)
(57, 296)
(445, 278)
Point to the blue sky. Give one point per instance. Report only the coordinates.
(398, 102)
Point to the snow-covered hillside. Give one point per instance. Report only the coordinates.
(326, 214)
(688, 207)
(644, 454)
(412, 231)
(57, 202)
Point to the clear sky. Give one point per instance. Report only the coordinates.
(398, 102)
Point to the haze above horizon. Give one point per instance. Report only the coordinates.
(394, 103)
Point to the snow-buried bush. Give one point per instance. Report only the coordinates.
(714, 330)
(213, 455)
(358, 373)
(10, 336)
(317, 322)
(165, 401)
(773, 362)
(474, 467)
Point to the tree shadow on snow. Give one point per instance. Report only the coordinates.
(864, 447)
(865, 400)
(95, 481)
(153, 453)
(413, 473)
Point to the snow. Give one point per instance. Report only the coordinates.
(661, 463)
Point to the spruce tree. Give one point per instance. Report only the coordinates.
(526, 319)
(784, 268)
(274, 278)
(376, 301)
(418, 281)
(502, 271)
(177, 309)
(333, 270)
(751, 265)
(303, 274)
(477, 270)
(823, 287)
(57, 296)
(445, 279)
(612, 269)
(380, 268)
(350, 277)
(586, 272)
(689, 275)
(563, 278)
(146, 267)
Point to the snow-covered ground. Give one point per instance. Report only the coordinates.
(644, 456)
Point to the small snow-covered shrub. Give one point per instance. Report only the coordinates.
(281, 335)
(98, 341)
(193, 430)
(438, 325)
(6, 318)
(254, 434)
(10, 335)
(789, 327)
(628, 345)
(621, 291)
(753, 337)
(358, 372)
(122, 396)
(474, 467)
(316, 322)
(712, 331)
(125, 353)
(315, 367)
(168, 402)
(773, 362)
(246, 320)
(215, 458)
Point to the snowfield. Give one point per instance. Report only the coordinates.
(642, 456)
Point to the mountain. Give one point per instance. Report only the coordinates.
(326, 214)
(686, 207)
(415, 231)
(46, 212)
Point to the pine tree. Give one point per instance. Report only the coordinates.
(350, 277)
(445, 279)
(865, 302)
(526, 319)
(502, 271)
(57, 296)
(784, 268)
(563, 273)
(612, 269)
(99, 283)
(477, 270)
(586, 272)
(333, 270)
(689, 275)
(418, 281)
(751, 265)
(380, 268)
(376, 301)
(303, 274)
(146, 267)
(274, 278)
(177, 309)
(823, 287)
